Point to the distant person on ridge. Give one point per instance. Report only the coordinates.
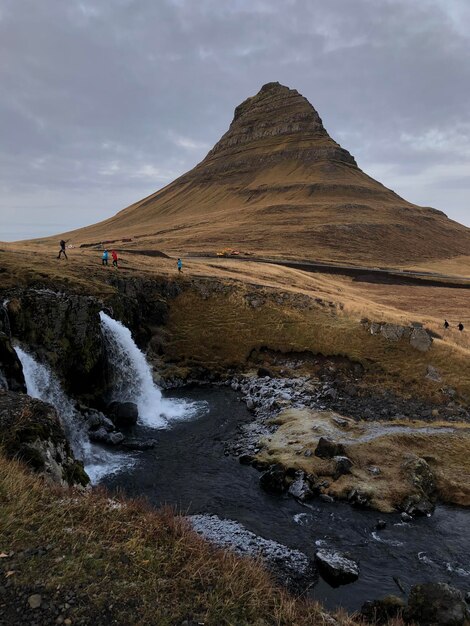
(179, 264)
(62, 249)
(461, 326)
(115, 258)
(446, 324)
(104, 258)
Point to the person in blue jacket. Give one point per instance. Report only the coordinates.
(179, 264)
(104, 258)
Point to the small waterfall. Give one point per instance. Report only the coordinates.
(132, 377)
(42, 384)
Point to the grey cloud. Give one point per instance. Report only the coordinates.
(104, 102)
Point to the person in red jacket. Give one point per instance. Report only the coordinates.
(115, 258)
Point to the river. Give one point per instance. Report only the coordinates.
(189, 471)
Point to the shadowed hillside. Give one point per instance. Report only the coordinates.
(277, 184)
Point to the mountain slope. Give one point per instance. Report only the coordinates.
(276, 183)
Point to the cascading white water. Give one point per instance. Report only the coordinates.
(42, 384)
(132, 377)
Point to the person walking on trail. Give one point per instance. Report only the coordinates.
(115, 258)
(461, 326)
(446, 324)
(104, 258)
(179, 264)
(62, 249)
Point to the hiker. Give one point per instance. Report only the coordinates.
(62, 249)
(105, 258)
(115, 258)
(446, 324)
(179, 264)
(461, 326)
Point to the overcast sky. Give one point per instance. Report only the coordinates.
(103, 102)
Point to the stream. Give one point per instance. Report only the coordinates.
(189, 471)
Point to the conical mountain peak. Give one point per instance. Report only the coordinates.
(277, 184)
(276, 124)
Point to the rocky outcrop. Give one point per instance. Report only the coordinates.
(421, 477)
(291, 567)
(437, 604)
(382, 611)
(64, 331)
(31, 431)
(11, 372)
(417, 336)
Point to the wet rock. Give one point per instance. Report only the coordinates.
(300, 489)
(139, 444)
(420, 339)
(436, 604)
(246, 459)
(291, 567)
(100, 435)
(10, 365)
(358, 498)
(32, 431)
(115, 438)
(324, 497)
(123, 414)
(342, 465)
(418, 506)
(96, 419)
(336, 568)
(382, 611)
(273, 480)
(327, 449)
(406, 517)
(381, 524)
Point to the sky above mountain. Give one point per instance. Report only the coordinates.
(105, 101)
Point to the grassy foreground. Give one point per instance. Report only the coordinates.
(132, 564)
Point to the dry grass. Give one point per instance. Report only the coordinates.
(148, 565)
(448, 455)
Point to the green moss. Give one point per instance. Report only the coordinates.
(74, 474)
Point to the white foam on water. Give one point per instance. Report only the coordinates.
(133, 382)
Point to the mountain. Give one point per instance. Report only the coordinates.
(277, 184)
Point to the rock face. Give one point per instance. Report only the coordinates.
(437, 604)
(31, 431)
(11, 371)
(277, 165)
(64, 331)
(291, 567)
(336, 568)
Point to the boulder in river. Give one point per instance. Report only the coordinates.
(139, 444)
(300, 489)
(123, 414)
(273, 479)
(327, 449)
(436, 604)
(336, 568)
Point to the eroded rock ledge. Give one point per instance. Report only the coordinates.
(31, 431)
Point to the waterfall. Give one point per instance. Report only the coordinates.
(41, 383)
(132, 379)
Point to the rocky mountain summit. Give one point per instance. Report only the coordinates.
(274, 178)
